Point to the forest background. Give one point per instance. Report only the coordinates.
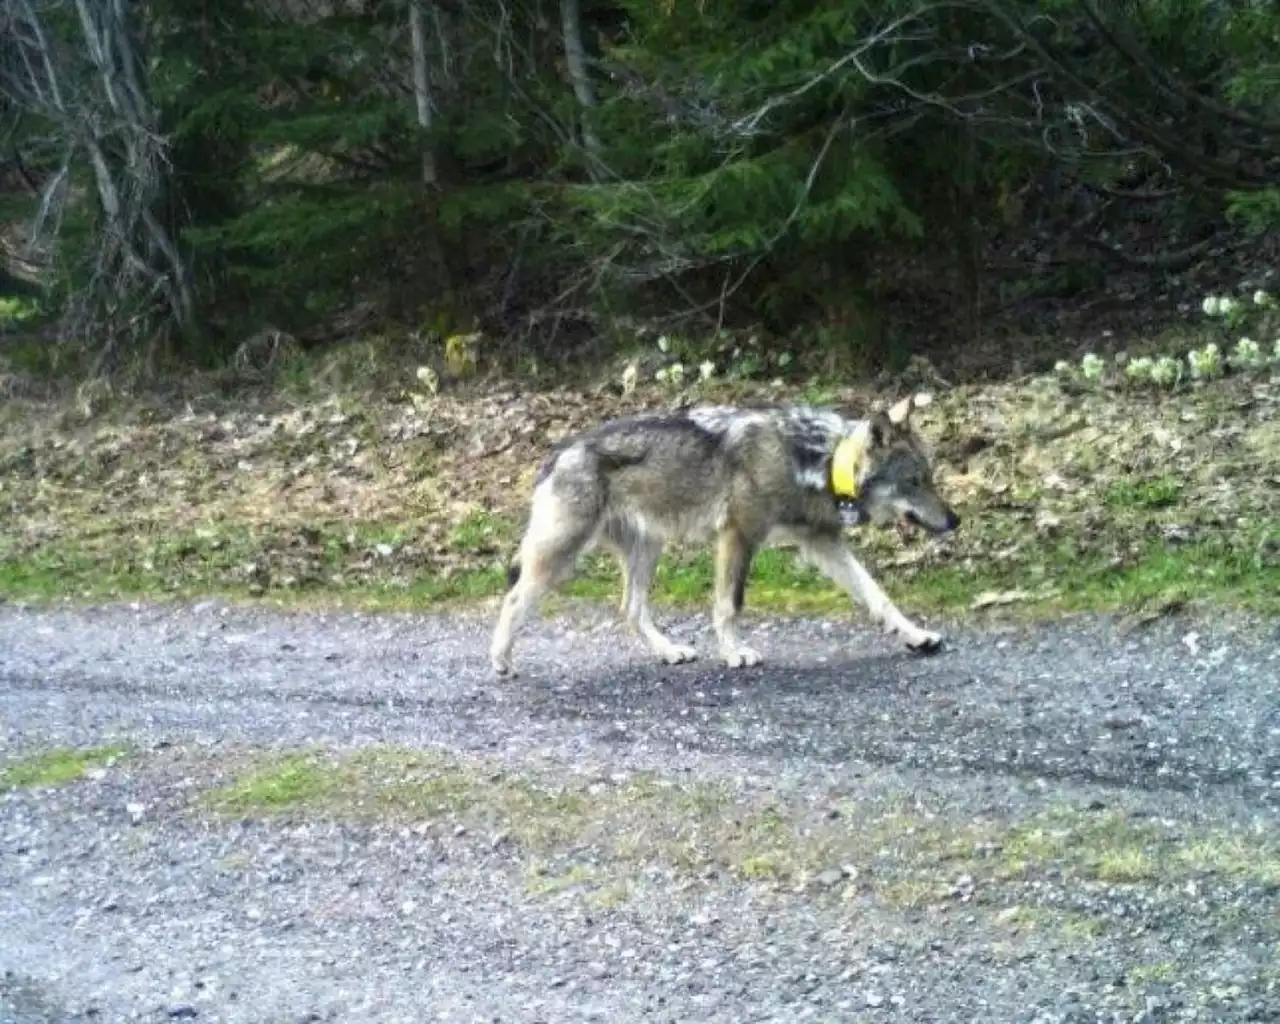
(294, 292)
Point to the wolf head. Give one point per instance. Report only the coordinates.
(881, 473)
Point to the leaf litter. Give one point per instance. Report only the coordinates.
(369, 489)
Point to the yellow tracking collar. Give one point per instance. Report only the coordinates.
(846, 463)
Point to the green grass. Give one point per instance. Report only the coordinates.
(331, 561)
(15, 309)
(1057, 578)
(1157, 492)
(293, 780)
(54, 767)
(334, 563)
(557, 826)
(483, 531)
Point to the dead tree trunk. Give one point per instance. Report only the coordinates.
(147, 252)
(424, 103)
(422, 85)
(575, 56)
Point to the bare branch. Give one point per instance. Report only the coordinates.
(1134, 125)
(1135, 54)
(891, 33)
(96, 98)
(1175, 260)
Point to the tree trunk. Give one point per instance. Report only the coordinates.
(146, 258)
(422, 85)
(575, 56)
(433, 251)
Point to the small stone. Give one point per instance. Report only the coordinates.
(831, 877)
(135, 812)
(874, 1000)
(183, 1011)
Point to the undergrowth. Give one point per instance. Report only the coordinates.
(1072, 498)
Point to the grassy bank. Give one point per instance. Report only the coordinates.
(1231, 572)
(1072, 500)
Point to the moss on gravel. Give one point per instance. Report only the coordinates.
(595, 835)
(56, 766)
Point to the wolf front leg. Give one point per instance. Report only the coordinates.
(834, 560)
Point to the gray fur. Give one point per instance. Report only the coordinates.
(745, 477)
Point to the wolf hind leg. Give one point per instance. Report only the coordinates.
(733, 563)
(547, 557)
(638, 553)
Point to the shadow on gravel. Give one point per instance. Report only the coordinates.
(899, 710)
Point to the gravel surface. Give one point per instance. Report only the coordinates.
(1005, 890)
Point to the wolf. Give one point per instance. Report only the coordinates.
(743, 477)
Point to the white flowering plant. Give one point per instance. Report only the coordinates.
(1247, 355)
(1166, 372)
(672, 374)
(1205, 363)
(1233, 351)
(719, 357)
(1092, 370)
(1230, 311)
(1260, 313)
(1140, 369)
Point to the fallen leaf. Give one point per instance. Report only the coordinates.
(990, 598)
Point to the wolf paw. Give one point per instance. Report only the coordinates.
(923, 641)
(742, 657)
(677, 654)
(502, 667)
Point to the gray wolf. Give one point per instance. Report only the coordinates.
(742, 477)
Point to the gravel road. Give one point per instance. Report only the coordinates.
(122, 899)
